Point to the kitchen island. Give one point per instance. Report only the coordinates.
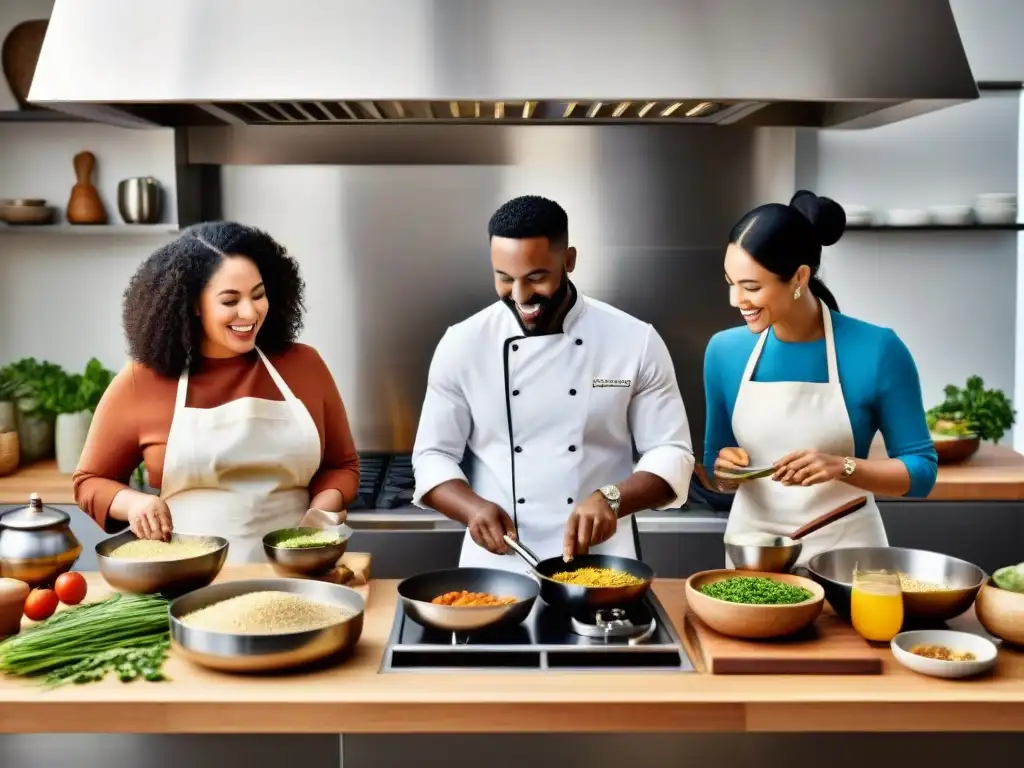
(354, 697)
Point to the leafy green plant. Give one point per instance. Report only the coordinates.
(45, 389)
(988, 413)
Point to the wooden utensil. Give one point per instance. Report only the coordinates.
(85, 206)
(21, 54)
(829, 517)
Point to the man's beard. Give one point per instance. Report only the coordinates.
(549, 308)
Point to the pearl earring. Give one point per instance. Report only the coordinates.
(796, 294)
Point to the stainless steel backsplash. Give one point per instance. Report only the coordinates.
(389, 224)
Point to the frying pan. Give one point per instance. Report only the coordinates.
(576, 597)
(416, 592)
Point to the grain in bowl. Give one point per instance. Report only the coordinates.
(267, 612)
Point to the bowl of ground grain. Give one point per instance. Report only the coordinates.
(260, 625)
(936, 587)
(753, 605)
(306, 551)
(183, 563)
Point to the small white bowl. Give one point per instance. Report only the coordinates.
(907, 217)
(952, 215)
(984, 651)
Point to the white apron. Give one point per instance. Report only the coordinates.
(771, 419)
(240, 470)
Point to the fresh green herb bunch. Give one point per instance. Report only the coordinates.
(125, 634)
(987, 413)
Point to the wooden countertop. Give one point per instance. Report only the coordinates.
(995, 472)
(354, 697)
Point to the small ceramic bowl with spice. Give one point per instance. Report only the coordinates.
(944, 653)
(754, 605)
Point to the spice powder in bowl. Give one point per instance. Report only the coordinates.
(755, 590)
(266, 613)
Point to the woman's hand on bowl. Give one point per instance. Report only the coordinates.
(322, 518)
(151, 519)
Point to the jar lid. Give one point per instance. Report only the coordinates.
(34, 517)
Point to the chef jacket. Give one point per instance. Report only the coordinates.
(549, 419)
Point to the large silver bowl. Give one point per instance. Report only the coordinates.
(169, 577)
(303, 561)
(833, 569)
(261, 653)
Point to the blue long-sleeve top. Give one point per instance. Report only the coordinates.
(877, 374)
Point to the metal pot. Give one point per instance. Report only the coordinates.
(36, 543)
(139, 200)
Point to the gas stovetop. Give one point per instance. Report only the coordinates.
(637, 639)
(385, 482)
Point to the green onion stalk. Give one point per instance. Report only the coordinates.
(125, 634)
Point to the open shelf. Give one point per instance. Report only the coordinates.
(936, 228)
(115, 230)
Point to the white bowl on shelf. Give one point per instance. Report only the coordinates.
(859, 216)
(984, 650)
(907, 217)
(951, 215)
(996, 208)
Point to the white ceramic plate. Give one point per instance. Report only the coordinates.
(984, 651)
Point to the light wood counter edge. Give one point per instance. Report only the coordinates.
(354, 698)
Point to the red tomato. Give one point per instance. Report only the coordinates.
(40, 604)
(71, 588)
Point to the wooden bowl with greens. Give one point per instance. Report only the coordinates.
(753, 605)
(966, 417)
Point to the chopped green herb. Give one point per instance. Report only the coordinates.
(306, 540)
(755, 590)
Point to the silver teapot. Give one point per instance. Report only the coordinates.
(36, 543)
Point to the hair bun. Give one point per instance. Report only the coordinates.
(826, 215)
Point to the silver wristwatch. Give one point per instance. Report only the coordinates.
(612, 496)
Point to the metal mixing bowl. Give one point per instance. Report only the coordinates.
(260, 653)
(766, 559)
(169, 577)
(833, 569)
(303, 561)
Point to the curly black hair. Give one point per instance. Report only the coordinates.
(531, 216)
(161, 324)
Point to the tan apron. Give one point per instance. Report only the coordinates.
(771, 419)
(240, 470)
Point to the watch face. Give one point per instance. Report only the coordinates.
(611, 492)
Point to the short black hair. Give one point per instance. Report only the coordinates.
(531, 216)
(161, 324)
(782, 238)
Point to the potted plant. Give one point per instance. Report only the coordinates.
(36, 385)
(74, 402)
(8, 395)
(966, 417)
(10, 453)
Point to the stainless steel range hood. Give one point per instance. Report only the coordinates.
(823, 63)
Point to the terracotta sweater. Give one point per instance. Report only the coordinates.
(133, 420)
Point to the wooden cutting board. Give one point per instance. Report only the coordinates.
(829, 647)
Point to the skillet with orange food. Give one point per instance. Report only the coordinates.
(419, 592)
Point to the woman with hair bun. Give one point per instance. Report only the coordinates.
(803, 388)
(240, 427)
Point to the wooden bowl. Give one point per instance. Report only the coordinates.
(1001, 612)
(753, 622)
(953, 450)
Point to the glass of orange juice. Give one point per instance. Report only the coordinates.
(876, 605)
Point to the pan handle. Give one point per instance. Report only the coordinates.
(522, 550)
(829, 517)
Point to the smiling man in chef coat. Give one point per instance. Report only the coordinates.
(548, 390)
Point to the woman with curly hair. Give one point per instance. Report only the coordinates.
(241, 428)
